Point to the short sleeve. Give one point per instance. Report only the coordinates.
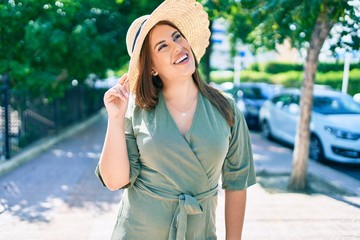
(238, 171)
(132, 149)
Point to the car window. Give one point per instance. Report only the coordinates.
(335, 105)
(268, 91)
(253, 93)
(291, 104)
(282, 100)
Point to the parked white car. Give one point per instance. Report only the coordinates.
(335, 123)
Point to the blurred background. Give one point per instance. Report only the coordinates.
(57, 58)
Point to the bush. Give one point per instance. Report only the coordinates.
(332, 67)
(251, 76)
(292, 78)
(334, 79)
(279, 67)
(288, 79)
(246, 76)
(221, 76)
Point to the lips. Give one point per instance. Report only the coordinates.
(181, 59)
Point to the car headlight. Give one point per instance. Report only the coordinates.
(339, 133)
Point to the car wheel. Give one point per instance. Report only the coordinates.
(316, 151)
(266, 130)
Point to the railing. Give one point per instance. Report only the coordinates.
(25, 119)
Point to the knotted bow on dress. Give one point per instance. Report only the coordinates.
(188, 205)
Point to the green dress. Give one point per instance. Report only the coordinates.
(173, 186)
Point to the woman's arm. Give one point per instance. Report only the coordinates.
(114, 163)
(235, 203)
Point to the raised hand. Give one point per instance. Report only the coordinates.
(116, 99)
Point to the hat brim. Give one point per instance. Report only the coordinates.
(191, 20)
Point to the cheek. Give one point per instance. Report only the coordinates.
(159, 61)
(187, 45)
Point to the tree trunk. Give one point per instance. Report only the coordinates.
(298, 179)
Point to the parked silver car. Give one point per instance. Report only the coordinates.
(335, 123)
(250, 96)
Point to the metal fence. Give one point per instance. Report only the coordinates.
(25, 119)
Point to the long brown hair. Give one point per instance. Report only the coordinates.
(148, 86)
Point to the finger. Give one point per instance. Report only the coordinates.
(109, 98)
(122, 79)
(121, 91)
(123, 85)
(122, 95)
(113, 97)
(113, 94)
(127, 85)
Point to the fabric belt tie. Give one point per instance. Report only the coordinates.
(188, 205)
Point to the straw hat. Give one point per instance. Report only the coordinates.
(187, 15)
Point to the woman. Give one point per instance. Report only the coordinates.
(169, 144)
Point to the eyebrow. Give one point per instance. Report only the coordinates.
(162, 41)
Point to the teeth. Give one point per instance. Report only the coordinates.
(181, 59)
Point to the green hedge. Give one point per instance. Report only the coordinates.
(292, 78)
(246, 76)
(279, 67)
(288, 79)
(334, 79)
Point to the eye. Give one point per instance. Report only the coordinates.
(162, 46)
(177, 36)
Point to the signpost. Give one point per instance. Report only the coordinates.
(238, 67)
(345, 81)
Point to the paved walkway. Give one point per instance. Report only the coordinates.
(56, 196)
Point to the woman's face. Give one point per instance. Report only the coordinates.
(171, 54)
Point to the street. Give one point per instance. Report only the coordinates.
(58, 194)
(352, 170)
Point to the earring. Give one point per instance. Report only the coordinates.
(154, 73)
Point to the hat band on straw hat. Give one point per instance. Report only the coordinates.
(137, 35)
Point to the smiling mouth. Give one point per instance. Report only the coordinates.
(182, 59)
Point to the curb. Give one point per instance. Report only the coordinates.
(335, 178)
(45, 143)
(321, 172)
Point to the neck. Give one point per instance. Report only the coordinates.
(180, 92)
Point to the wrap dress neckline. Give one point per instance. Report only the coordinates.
(193, 120)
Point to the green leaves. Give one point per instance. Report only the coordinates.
(46, 44)
(273, 21)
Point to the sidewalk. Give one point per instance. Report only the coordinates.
(53, 194)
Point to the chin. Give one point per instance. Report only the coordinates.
(190, 71)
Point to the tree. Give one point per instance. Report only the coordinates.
(45, 44)
(306, 24)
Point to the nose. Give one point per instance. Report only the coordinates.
(178, 47)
